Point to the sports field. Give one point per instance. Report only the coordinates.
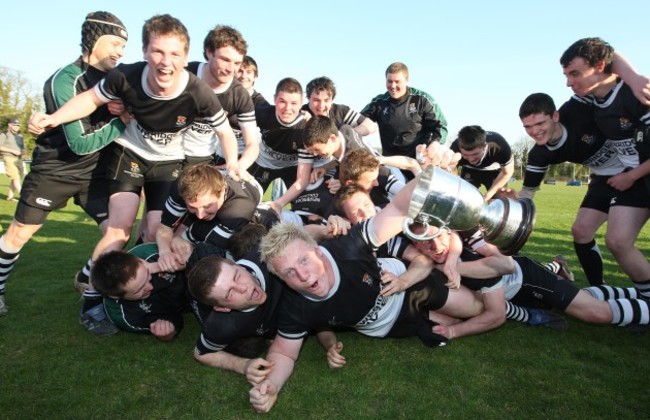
(51, 368)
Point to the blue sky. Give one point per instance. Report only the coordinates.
(478, 59)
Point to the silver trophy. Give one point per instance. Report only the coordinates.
(444, 200)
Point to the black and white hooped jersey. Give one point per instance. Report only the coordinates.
(239, 205)
(238, 107)
(498, 152)
(341, 115)
(156, 131)
(580, 142)
(221, 329)
(354, 300)
(282, 144)
(618, 115)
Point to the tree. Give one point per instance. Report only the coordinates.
(18, 99)
(520, 154)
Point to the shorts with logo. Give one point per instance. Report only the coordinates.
(542, 288)
(599, 194)
(129, 172)
(42, 193)
(266, 175)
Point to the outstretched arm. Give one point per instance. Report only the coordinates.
(283, 354)
(76, 108)
(255, 370)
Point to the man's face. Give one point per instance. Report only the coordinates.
(167, 58)
(140, 286)
(358, 208)
(287, 106)
(14, 128)
(368, 180)
(206, 205)
(323, 150)
(438, 248)
(541, 127)
(582, 78)
(303, 268)
(320, 103)
(237, 289)
(108, 50)
(396, 84)
(246, 76)
(474, 156)
(224, 63)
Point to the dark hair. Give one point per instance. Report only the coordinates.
(203, 277)
(537, 103)
(321, 83)
(289, 85)
(224, 36)
(344, 194)
(246, 239)
(112, 271)
(164, 25)
(592, 50)
(318, 130)
(471, 137)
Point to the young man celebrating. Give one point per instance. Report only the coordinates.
(217, 206)
(164, 100)
(224, 48)
(321, 92)
(407, 117)
(70, 161)
(138, 296)
(339, 283)
(587, 65)
(481, 152)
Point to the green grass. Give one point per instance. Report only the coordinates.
(51, 368)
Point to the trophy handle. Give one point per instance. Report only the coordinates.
(406, 228)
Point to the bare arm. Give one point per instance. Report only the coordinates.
(501, 180)
(255, 370)
(283, 353)
(302, 180)
(250, 134)
(229, 148)
(639, 83)
(402, 162)
(493, 317)
(366, 128)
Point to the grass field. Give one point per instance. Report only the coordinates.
(51, 368)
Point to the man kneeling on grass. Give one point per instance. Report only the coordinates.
(137, 296)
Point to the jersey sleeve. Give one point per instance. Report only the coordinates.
(83, 137)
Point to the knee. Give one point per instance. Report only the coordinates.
(616, 243)
(582, 233)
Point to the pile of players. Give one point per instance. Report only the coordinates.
(199, 146)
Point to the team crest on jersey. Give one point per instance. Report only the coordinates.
(146, 307)
(385, 111)
(181, 121)
(412, 109)
(367, 279)
(588, 139)
(135, 168)
(625, 123)
(294, 146)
